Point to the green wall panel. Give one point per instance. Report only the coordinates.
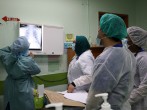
(47, 80)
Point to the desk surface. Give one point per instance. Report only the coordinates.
(65, 108)
(54, 97)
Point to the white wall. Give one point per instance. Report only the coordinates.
(141, 15)
(114, 6)
(67, 13)
(79, 17)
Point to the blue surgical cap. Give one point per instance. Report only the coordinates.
(20, 46)
(113, 26)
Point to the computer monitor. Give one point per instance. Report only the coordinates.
(33, 33)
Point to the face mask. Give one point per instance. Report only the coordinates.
(73, 46)
(98, 41)
(124, 43)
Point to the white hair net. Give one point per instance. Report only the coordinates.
(138, 36)
(20, 46)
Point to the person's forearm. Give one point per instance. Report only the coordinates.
(83, 80)
(138, 93)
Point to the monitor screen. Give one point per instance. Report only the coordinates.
(33, 33)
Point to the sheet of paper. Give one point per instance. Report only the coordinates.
(40, 90)
(63, 92)
(55, 97)
(80, 96)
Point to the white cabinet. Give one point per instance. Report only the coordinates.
(53, 40)
(43, 39)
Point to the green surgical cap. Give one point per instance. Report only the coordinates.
(113, 26)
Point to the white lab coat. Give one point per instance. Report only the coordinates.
(80, 70)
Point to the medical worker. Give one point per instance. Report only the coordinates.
(114, 68)
(137, 42)
(80, 68)
(18, 92)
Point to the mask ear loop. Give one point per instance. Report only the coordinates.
(124, 43)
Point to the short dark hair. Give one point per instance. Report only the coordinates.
(115, 39)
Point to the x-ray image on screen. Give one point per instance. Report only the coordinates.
(33, 33)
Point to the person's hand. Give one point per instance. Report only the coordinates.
(70, 88)
(31, 54)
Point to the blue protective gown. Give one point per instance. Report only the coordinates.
(18, 84)
(113, 73)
